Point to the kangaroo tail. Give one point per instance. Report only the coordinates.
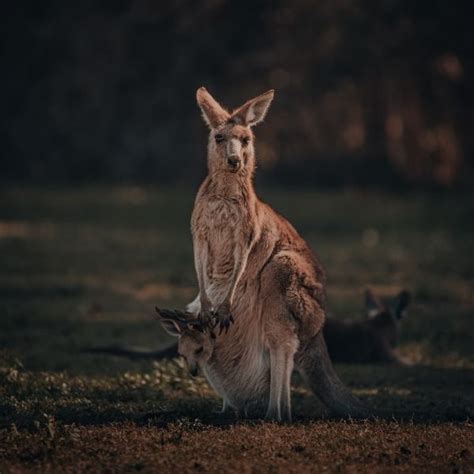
(318, 372)
(135, 353)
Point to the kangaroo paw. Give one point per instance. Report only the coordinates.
(206, 318)
(224, 319)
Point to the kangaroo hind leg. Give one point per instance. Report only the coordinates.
(281, 369)
(277, 368)
(286, 389)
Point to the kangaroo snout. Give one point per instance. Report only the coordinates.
(234, 162)
(193, 370)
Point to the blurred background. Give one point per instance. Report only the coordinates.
(367, 150)
(374, 93)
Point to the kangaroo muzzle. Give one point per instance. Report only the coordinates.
(193, 369)
(234, 149)
(233, 162)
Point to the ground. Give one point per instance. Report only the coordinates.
(85, 267)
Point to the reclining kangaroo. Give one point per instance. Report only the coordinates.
(253, 269)
(372, 340)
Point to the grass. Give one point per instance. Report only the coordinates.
(85, 267)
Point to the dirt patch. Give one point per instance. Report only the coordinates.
(261, 447)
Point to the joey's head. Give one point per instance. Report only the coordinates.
(384, 315)
(195, 344)
(231, 141)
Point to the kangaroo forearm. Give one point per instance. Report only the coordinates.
(201, 284)
(200, 262)
(241, 259)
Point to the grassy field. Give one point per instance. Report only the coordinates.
(85, 267)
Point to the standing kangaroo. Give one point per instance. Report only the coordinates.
(253, 269)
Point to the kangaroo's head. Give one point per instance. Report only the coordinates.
(231, 147)
(195, 344)
(384, 315)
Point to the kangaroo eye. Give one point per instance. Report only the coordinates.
(245, 141)
(199, 351)
(219, 138)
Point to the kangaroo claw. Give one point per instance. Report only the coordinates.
(206, 318)
(225, 323)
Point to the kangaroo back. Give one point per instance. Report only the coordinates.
(316, 368)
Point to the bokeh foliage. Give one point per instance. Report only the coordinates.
(373, 92)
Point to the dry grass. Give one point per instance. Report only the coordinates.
(85, 267)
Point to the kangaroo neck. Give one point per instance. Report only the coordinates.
(230, 185)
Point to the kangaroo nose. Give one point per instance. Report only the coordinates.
(233, 160)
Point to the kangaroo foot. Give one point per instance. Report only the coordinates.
(273, 414)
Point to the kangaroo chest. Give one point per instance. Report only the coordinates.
(220, 225)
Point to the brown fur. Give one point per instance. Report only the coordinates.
(371, 340)
(253, 268)
(243, 386)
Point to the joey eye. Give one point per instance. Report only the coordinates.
(245, 141)
(199, 351)
(219, 138)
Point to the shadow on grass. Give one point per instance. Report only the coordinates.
(419, 395)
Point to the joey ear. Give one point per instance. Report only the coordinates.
(170, 325)
(254, 111)
(372, 303)
(402, 301)
(213, 114)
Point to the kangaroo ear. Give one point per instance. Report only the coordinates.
(372, 303)
(170, 325)
(213, 114)
(402, 301)
(254, 111)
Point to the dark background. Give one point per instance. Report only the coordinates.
(367, 92)
(367, 150)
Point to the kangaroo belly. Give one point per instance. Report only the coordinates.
(221, 253)
(242, 381)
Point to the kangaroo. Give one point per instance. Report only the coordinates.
(255, 271)
(236, 382)
(372, 340)
(368, 341)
